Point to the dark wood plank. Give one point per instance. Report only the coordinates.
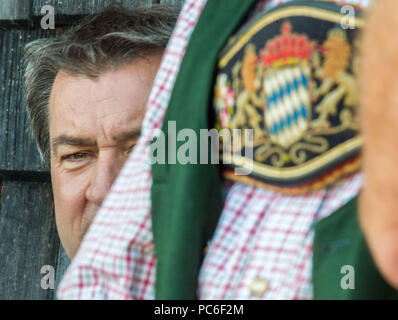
(28, 240)
(0, 193)
(15, 12)
(61, 266)
(65, 11)
(172, 2)
(18, 151)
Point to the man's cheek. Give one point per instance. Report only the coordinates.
(69, 200)
(381, 138)
(380, 195)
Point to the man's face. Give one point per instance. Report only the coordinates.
(94, 124)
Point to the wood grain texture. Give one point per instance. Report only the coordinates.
(14, 13)
(78, 7)
(172, 2)
(68, 12)
(28, 240)
(18, 151)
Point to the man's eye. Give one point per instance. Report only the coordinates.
(75, 156)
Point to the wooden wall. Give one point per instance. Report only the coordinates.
(28, 236)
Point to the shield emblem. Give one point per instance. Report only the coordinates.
(295, 88)
(288, 106)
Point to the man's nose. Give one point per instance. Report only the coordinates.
(104, 174)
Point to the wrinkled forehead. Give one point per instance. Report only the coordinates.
(115, 100)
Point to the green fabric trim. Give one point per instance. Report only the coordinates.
(338, 242)
(185, 206)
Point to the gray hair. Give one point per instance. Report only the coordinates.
(100, 42)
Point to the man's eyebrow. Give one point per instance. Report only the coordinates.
(64, 139)
(129, 135)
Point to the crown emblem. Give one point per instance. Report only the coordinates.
(286, 49)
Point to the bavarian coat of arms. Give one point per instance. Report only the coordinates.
(290, 76)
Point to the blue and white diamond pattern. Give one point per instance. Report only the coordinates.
(288, 104)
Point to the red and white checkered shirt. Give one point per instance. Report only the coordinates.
(261, 234)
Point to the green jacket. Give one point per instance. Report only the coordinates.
(339, 242)
(187, 202)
